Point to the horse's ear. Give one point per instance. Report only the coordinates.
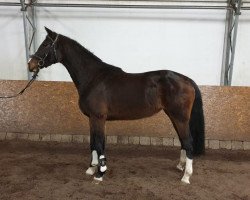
(50, 32)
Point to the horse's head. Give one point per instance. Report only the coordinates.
(46, 54)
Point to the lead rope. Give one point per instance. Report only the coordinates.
(40, 64)
(22, 91)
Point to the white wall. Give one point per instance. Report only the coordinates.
(241, 69)
(187, 41)
(12, 47)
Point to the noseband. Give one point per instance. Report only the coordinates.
(41, 60)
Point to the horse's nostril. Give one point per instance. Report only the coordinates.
(32, 65)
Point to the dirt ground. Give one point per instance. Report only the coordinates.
(32, 170)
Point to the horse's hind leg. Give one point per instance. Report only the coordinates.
(182, 161)
(186, 156)
(186, 151)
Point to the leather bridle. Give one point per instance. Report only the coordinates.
(41, 60)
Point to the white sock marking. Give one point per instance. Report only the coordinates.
(188, 171)
(94, 158)
(102, 168)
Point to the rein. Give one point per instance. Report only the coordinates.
(22, 91)
(40, 66)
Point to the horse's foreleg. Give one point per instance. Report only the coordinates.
(100, 146)
(97, 145)
(94, 159)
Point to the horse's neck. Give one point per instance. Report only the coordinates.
(80, 66)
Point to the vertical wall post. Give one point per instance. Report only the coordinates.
(226, 48)
(232, 19)
(29, 31)
(32, 28)
(235, 29)
(26, 40)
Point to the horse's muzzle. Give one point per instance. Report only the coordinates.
(33, 65)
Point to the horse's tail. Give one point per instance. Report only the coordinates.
(197, 124)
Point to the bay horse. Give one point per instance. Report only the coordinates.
(107, 92)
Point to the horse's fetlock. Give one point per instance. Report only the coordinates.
(102, 163)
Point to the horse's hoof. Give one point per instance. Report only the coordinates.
(91, 171)
(185, 180)
(97, 180)
(180, 167)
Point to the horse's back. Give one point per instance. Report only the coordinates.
(134, 96)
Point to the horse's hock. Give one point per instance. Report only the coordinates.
(49, 111)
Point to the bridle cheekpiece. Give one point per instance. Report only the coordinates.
(42, 60)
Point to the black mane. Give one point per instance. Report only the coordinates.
(74, 44)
